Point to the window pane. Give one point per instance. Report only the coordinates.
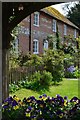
(36, 18)
(35, 46)
(46, 44)
(54, 25)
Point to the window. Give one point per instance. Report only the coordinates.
(75, 33)
(45, 44)
(36, 18)
(65, 29)
(35, 46)
(54, 25)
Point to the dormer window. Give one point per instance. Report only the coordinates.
(65, 29)
(54, 25)
(36, 19)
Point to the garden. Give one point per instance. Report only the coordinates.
(44, 85)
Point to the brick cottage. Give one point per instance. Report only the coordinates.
(34, 30)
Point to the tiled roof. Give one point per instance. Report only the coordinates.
(56, 14)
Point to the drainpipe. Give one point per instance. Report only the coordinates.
(30, 35)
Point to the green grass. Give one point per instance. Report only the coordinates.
(65, 88)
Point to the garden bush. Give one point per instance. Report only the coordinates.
(53, 62)
(44, 108)
(13, 87)
(37, 82)
(40, 80)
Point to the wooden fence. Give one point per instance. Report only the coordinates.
(18, 74)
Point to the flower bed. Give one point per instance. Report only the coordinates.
(44, 108)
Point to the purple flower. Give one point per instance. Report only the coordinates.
(14, 103)
(34, 116)
(30, 108)
(74, 99)
(65, 97)
(9, 99)
(44, 95)
(40, 96)
(32, 98)
(5, 106)
(71, 69)
(60, 99)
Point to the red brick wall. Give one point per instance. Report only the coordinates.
(41, 32)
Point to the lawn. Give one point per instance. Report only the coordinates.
(65, 88)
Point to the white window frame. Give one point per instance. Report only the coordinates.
(75, 33)
(65, 29)
(36, 19)
(54, 25)
(36, 49)
(46, 44)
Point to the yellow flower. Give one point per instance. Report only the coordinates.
(44, 98)
(41, 105)
(75, 102)
(16, 107)
(61, 115)
(16, 98)
(65, 104)
(28, 100)
(40, 113)
(28, 114)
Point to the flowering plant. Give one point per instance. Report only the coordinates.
(44, 108)
(72, 72)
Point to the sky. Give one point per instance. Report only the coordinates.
(59, 7)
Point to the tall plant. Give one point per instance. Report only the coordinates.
(53, 62)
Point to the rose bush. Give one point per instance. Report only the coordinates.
(44, 108)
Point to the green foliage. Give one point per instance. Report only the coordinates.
(37, 81)
(54, 40)
(46, 78)
(71, 60)
(13, 50)
(73, 13)
(53, 62)
(68, 60)
(66, 87)
(13, 87)
(30, 60)
(57, 39)
(75, 74)
(69, 46)
(40, 80)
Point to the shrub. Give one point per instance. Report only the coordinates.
(46, 78)
(37, 81)
(53, 62)
(13, 87)
(40, 80)
(44, 108)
